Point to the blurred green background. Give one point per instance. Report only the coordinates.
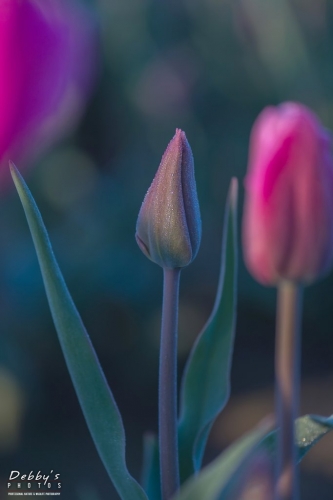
(208, 67)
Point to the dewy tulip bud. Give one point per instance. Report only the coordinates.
(168, 230)
(288, 213)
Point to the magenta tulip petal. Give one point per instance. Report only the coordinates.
(288, 213)
(46, 69)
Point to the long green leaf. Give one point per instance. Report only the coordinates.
(206, 380)
(96, 400)
(215, 481)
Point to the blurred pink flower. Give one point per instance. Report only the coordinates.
(288, 213)
(46, 71)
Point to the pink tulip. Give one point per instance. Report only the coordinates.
(46, 66)
(288, 214)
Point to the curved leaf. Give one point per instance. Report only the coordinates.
(215, 482)
(96, 400)
(206, 380)
(210, 481)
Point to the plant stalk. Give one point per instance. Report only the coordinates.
(287, 371)
(168, 438)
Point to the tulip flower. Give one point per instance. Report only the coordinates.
(169, 226)
(46, 68)
(168, 231)
(288, 241)
(288, 215)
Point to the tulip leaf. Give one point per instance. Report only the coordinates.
(309, 430)
(206, 381)
(151, 467)
(215, 481)
(96, 400)
(209, 483)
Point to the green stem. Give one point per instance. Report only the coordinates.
(287, 368)
(168, 440)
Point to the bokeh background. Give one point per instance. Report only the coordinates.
(208, 67)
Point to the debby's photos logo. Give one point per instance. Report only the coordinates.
(33, 484)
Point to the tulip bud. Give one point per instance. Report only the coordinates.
(288, 213)
(168, 229)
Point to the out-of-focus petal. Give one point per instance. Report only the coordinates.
(47, 65)
(288, 213)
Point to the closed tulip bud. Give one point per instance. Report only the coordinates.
(168, 229)
(288, 213)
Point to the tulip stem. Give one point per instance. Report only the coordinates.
(287, 368)
(168, 439)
